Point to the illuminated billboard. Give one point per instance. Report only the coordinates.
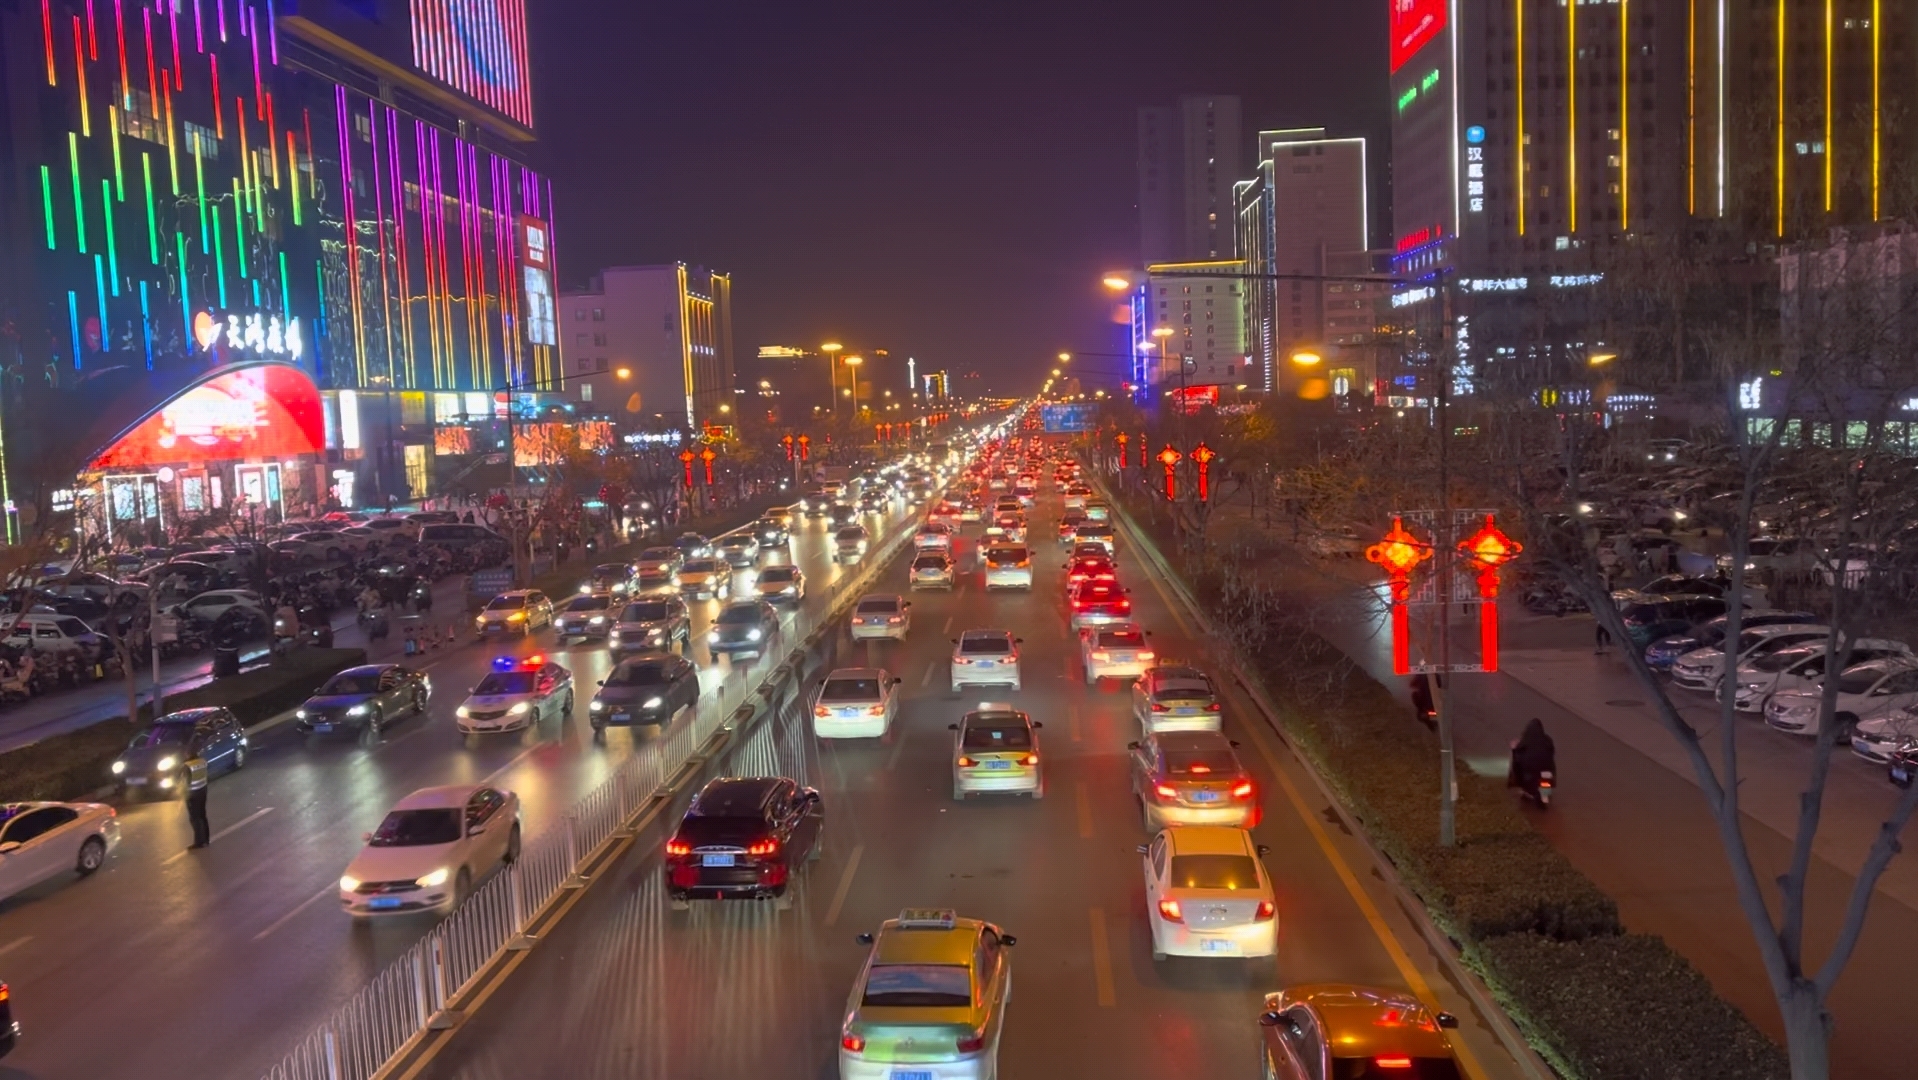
(1415, 23)
(261, 411)
(536, 271)
(477, 47)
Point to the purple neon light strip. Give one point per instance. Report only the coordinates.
(199, 29)
(273, 31)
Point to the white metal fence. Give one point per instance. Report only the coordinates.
(413, 994)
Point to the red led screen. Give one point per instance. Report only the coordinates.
(267, 411)
(1414, 24)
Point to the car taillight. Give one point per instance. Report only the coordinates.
(1392, 1062)
(678, 848)
(1147, 654)
(1214, 707)
(966, 763)
(1266, 910)
(768, 846)
(1160, 707)
(1169, 910)
(821, 710)
(973, 1043)
(1165, 791)
(1242, 790)
(1101, 654)
(1030, 759)
(852, 1042)
(875, 710)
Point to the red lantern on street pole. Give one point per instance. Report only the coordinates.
(787, 442)
(1485, 552)
(707, 456)
(1170, 459)
(1399, 553)
(686, 459)
(1203, 456)
(1122, 440)
(805, 448)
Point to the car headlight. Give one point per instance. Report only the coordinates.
(675, 579)
(653, 703)
(479, 623)
(299, 714)
(520, 709)
(517, 616)
(614, 636)
(597, 705)
(712, 638)
(348, 883)
(597, 620)
(789, 590)
(586, 589)
(754, 634)
(1750, 686)
(119, 767)
(462, 712)
(358, 710)
(437, 877)
(167, 763)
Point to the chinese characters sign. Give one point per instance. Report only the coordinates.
(250, 333)
(1414, 24)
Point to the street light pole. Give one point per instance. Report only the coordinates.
(831, 349)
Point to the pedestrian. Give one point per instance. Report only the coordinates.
(196, 800)
(1602, 638)
(1422, 709)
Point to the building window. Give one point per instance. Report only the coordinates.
(585, 364)
(599, 314)
(579, 339)
(579, 314)
(599, 340)
(586, 391)
(200, 141)
(139, 120)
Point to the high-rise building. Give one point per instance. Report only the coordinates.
(1304, 213)
(1189, 157)
(257, 256)
(652, 345)
(1202, 304)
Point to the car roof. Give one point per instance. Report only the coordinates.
(914, 945)
(994, 714)
(983, 635)
(1208, 840)
(443, 797)
(894, 598)
(191, 716)
(856, 673)
(368, 669)
(726, 796)
(1364, 1021)
(1178, 671)
(1191, 740)
(519, 592)
(1884, 664)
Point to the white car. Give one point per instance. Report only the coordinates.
(42, 839)
(517, 694)
(1701, 669)
(1207, 894)
(320, 545)
(1798, 668)
(849, 544)
(701, 578)
(1008, 566)
(1865, 691)
(856, 703)
(1114, 651)
(881, 615)
(519, 612)
(429, 851)
(933, 570)
(783, 584)
(1174, 697)
(986, 658)
(209, 606)
(1876, 738)
(996, 751)
(933, 536)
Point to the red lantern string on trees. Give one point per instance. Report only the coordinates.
(805, 448)
(787, 442)
(707, 456)
(686, 459)
(1203, 456)
(1170, 459)
(1122, 440)
(1486, 551)
(1399, 553)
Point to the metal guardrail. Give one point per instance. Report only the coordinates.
(418, 992)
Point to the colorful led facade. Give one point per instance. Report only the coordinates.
(478, 47)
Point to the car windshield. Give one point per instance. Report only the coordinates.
(506, 603)
(878, 606)
(699, 566)
(736, 541)
(1005, 556)
(350, 683)
(612, 571)
(844, 689)
(985, 645)
(996, 733)
(589, 603)
(1121, 639)
(777, 575)
(1094, 528)
(1214, 872)
(659, 555)
(1785, 658)
(930, 562)
(918, 986)
(418, 828)
(638, 673)
(854, 532)
(1859, 680)
(162, 735)
(1181, 689)
(1199, 760)
(647, 611)
(744, 613)
(505, 682)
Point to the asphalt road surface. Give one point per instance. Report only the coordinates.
(624, 987)
(214, 963)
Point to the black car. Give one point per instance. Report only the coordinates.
(694, 546)
(741, 839)
(614, 578)
(771, 533)
(363, 699)
(155, 761)
(841, 514)
(649, 688)
(744, 626)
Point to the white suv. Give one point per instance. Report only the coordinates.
(986, 658)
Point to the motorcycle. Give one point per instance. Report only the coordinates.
(1536, 785)
(315, 629)
(423, 596)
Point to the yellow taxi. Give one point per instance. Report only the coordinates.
(930, 1002)
(1338, 1031)
(996, 751)
(781, 514)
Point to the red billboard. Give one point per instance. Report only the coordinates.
(1414, 24)
(263, 411)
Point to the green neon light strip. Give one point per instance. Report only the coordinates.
(79, 202)
(119, 181)
(219, 259)
(46, 203)
(113, 244)
(100, 295)
(199, 178)
(153, 230)
(293, 167)
(286, 298)
(256, 292)
(239, 228)
(186, 301)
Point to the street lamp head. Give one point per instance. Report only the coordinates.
(1117, 283)
(1162, 331)
(831, 346)
(1306, 358)
(1055, 373)
(1601, 358)
(1065, 358)
(624, 373)
(725, 408)
(855, 361)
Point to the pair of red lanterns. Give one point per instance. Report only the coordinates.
(1202, 456)
(1483, 553)
(804, 443)
(687, 457)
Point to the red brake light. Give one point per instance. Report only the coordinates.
(1159, 707)
(821, 710)
(1266, 910)
(1242, 790)
(1101, 654)
(1393, 1062)
(768, 846)
(875, 710)
(973, 1043)
(1214, 707)
(1199, 768)
(1030, 759)
(1148, 654)
(678, 847)
(966, 762)
(852, 1042)
(1165, 791)
(1169, 909)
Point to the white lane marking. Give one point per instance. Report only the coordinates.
(509, 766)
(845, 884)
(330, 890)
(247, 820)
(14, 944)
(947, 629)
(898, 744)
(926, 679)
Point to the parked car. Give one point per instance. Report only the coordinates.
(1662, 653)
(47, 632)
(1867, 691)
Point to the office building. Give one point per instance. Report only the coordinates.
(1189, 157)
(652, 346)
(1202, 304)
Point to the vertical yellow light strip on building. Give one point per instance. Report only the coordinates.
(1877, 54)
(1624, 115)
(1831, 150)
(1780, 185)
(1518, 14)
(1571, 111)
(1691, 109)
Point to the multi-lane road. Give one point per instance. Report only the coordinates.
(624, 987)
(214, 963)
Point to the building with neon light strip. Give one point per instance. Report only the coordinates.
(336, 185)
(669, 328)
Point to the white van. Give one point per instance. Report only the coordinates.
(50, 632)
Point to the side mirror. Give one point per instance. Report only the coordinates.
(1132, 746)
(1018, 641)
(952, 727)
(1234, 742)
(1143, 849)
(1263, 849)
(1447, 1021)
(1037, 724)
(1269, 1018)
(602, 682)
(366, 837)
(1008, 940)
(864, 939)
(475, 829)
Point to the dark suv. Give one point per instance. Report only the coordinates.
(741, 839)
(745, 626)
(649, 688)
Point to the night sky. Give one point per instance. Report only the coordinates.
(948, 184)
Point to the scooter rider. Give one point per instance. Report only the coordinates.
(1533, 754)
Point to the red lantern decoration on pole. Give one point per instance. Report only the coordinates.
(1399, 553)
(686, 459)
(707, 456)
(1486, 551)
(1170, 459)
(1122, 440)
(787, 442)
(1203, 456)
(805, 448)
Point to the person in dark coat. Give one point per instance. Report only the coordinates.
(1532, 753)
(196, 800)
(1422, 708)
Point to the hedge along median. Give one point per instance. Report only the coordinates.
(74, 764)
(1595, 1002)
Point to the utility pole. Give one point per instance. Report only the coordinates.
(1448, 781)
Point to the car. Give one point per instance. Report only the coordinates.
(1866, 691)
(1801, 667)
(875, 500)
(613, 578)
(985, 658)
(1076, 496)
(1903, 766)
(1324, 1031)
(1069, 523)
(1176, 697)
(1649, 618)
(1095, 603)
(655, 569)
(1701, 668)
(1878, 738)
(841, 514)
(39, 840)
(739, 549)
(319, 545)
(856, 703)
(770, 532)
(781, 585)
(587, 617)
(521, 611)
(705, 577)
(1008, 504)
(930, 1000)
(692, 545)
(652, 623)
(362, 699)
(1008, 566)
(995, 750)
(932, 570)
(744, 626)
(1116, 650)
(1192, 778)
(463, 538)
(45, 632)
(1678, 585)
(946, 512)
(1094, 568)
(210, 605)
(1098, 510)
(430, 849)
(849, 543)
(519, 693)
(970, 511)
(1007, 528)
(881, 615)
(1661, 654)
(154, 762)
(743, 838)
(1097, 532)
(653, 688)
(1207, 894)
(933, 536)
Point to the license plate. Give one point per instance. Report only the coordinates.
(322, 728)
(716, 860)
(137, 781)
(848, 713)
(1218, 945)
(1901, 775)
(622, 718)
(985, 663)
(911, 1074)
(1205, 796)
(383, 902)
(999, 763)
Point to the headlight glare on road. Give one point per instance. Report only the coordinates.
(520, 709)
(653, 703)
(358, 710)
(348, 883)
(119, 767)
(166, 763)
(437, 877)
